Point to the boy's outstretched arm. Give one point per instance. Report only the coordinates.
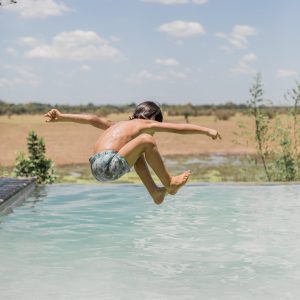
(54, 115)
(154, 126)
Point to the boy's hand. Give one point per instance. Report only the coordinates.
(53, 115)
(214, 134)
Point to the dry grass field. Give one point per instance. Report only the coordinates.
(69, 143)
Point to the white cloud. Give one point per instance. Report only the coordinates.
(243, 67)
(226, 49)
(182, 29)
(286, 73)
(176, 75)
(85, 68)
(115, 39)
(12, 51)
(238, 38)
(6, 82)
(18, 75)
(39, 8)
(200, 2)
(75, 45)
(167, 2)
(28, 41)
(249, 57)
(169, 62)
(78, 37)
(146, 76)
(172, 2)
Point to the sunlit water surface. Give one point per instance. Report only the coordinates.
(112, 242)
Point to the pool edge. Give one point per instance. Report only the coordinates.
(23, 188)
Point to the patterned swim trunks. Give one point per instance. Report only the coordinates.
(108, 165)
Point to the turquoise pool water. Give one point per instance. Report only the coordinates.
(112, 242)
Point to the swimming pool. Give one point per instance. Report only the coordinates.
(112, 242)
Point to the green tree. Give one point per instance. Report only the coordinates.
(36, 165)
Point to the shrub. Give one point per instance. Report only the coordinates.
(261, 119)
(276, 142)
(36, 165)
(285, 166)
(224, 114)
(294, 96)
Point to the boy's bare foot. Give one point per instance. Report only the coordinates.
(177, 182)
(159, 195)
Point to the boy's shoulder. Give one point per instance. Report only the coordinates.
(134, 122)
(142, 122)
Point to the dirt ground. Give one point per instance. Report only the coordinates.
(69, 143)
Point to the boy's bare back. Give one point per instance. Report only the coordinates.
(119, 134)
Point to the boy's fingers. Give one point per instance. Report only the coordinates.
(48, 114)
(49, 119)
(216, 137)
(51, 116)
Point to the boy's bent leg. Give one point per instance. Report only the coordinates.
(157, 193)
(145, 144)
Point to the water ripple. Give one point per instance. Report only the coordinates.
(213, 242)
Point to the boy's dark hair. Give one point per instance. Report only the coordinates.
(147, 110)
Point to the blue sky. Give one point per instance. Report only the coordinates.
(170, 51)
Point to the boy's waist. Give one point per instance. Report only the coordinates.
(100, 154)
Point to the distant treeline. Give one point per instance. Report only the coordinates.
(220, 111)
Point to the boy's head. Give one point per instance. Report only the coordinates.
(147, 110)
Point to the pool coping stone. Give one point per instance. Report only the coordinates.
(14, 190)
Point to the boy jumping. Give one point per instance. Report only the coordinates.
(130, 143)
